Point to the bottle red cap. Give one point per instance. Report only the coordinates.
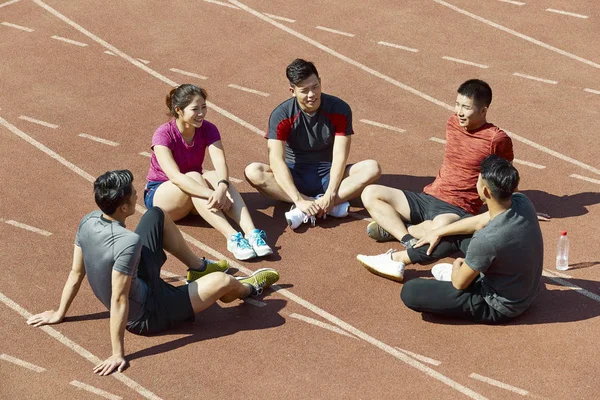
(563, 233)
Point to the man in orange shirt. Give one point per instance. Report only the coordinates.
(453, 195)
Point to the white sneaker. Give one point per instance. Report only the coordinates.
(295, 218)
(442, 272)
(257, 239)
(338, 211)
(383, 265)
(239, 247)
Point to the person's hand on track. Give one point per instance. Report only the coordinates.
(46, 318)
(543, 217)
(115, 362)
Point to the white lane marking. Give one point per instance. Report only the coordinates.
(254, 302)
(80, 350)
(99, 140)
(591, 91)
(186, 73)
(21, 363)
(397, 46)
(279, 18)
(145, 154)
(70, 41)
(235, 180)
(557, 273)
(516, 3)
(334, 31)
(110, 53)
(529, 164)
(458, 60)
(19, 27)
(570, 14)
(572, 286)
(37, 121)
(95, 390)
(323, 325)
(519, 35)
(172, 275)
(384, 126)
(284, 292)
(220, 3)
(28, 227)
(585, 178)
(535, 78)
(402, 85)
(421, 358)
(245, 89)
(8, 3)
(499, 384)
(437, 140)
(143, 61)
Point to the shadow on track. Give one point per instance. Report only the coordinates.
(562, 206)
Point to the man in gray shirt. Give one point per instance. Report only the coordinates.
(500, 274)
(123, 268)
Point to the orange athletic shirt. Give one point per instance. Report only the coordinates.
(456, 181)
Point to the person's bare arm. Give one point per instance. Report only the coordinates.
(341, 150)
(69, 293)
(219, 199)
(182, 181)
(462, 274)
(465, 226)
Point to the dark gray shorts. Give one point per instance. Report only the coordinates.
(424, 207)
(166, 305)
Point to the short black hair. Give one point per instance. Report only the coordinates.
(112, 189)
(478, 90)
(299, 70)
(500, 175)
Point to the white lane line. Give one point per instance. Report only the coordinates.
(19, 27)
(591, 91)
(529, 164)
(519, 35)
(95, 390)
(421, 358)
(79, 350)
(245, 89)
(334, 31)
(572, 286)
(220, 3)
(8, 3)
(70, 41)
(28, 227)
(458, 60)
(99, 140)
(254, 302)
(384, 126)
(21, 363)
(143, 61)
(110, 53)
(516, 3)
(397, 46)
(323, 325)
(437, 140)
(556, 273)
(145, 154)
(172, 275)
(186, 73)
(499, 384)
(585, 178)
(284, 292)
(37, 121)
(401, 85)
(570, 14)
(279, 18)
(535, 78)
(235, 180)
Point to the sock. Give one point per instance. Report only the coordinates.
(407, 238)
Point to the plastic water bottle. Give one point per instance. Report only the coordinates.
(562, 254)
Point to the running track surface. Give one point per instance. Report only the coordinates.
(332, 330)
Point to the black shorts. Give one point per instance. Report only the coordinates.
(425, 207)
(166, 305)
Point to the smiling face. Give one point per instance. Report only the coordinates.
(470, 115)
(308, 93)
(193, 114)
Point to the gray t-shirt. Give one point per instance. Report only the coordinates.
(509, 254)
(108, 245)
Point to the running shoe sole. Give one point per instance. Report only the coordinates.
(379, 273)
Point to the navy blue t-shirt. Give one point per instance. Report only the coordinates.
(309, 139)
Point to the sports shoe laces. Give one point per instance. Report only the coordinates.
(241, 242)
(259, 237)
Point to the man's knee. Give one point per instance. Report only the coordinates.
(370, 194)
(255, 173)
(410, 293)
(371, 170)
